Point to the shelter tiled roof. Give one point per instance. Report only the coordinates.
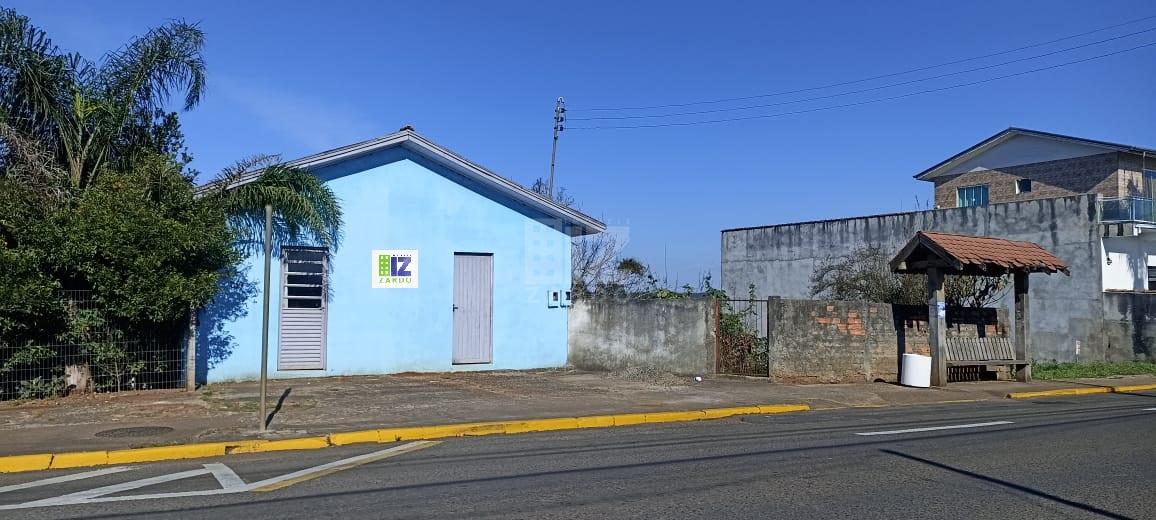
(965, 252)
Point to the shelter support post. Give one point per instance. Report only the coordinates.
(937, 329)
(1022, 338)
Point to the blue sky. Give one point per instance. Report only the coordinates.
(481, 78)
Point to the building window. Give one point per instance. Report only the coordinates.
(1152, 278)
(1024, 186)
(971, 196)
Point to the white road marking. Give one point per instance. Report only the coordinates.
(91, 494)
(275, 483)
(230, 482)
(1150, 409)
(65, 478)
(225, 476)
(935, 428)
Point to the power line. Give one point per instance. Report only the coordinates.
(767, 105)
(869, 101)
(860, 91)
(862, 80)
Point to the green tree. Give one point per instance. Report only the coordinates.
(95, 195)
(145, 243)
(89, 113)
(305, 209)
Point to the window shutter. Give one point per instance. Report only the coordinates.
(301, 327)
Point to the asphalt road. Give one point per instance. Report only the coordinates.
(1083, 457)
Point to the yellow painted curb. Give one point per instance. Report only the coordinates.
(544, 425)
(627, 419)
(596, 421)
(344, 438)
(1133, 388)
(719, 413)
(1060, 392)
(39, 462)
(303, 443)
(783, 408)
(1082, 391)
(180, 451)
(78, 459)
(403, 434)
(19, 463)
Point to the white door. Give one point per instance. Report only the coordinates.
(473, 308)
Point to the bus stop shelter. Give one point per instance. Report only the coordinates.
(940, 254)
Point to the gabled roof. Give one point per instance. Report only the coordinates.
(578, 223)
(1011, 132)
(968, 254)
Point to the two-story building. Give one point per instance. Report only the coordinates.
(1087, 201)
(1020, 165)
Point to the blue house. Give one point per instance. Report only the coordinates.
(443, 265)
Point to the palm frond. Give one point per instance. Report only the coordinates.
(34, 76)
(305, 210)
(29, 164)
(153, 67)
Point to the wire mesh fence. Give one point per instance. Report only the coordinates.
(88, 355)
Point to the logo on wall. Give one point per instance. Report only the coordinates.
(395, 269)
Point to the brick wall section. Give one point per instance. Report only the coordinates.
(1130, 179)
(1092, 174)
(816, 341)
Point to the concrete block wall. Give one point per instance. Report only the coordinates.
(819, 341)
(669, 335)
(1130, 325)
(779, 260)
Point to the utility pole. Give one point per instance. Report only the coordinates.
(559, 119)
(265, 313)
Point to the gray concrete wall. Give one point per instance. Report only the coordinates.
(779, 260)
(670, 335)
(1129, 326)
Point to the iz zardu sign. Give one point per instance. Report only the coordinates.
(395, 269)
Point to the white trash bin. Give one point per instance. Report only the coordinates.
(916, 371)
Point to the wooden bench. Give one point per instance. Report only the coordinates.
(981, 351)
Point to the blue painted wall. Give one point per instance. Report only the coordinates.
(396, 199)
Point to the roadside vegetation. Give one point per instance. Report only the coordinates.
(1090, 370)
(104, 236)
(865, 275)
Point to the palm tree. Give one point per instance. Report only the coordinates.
(305, 210)
(57, 107)
(84, 111)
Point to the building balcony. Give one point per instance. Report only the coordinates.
(1127, 209)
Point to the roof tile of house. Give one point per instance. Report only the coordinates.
(984, 251)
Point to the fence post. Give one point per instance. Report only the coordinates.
(717, 333)
(937, 327)
(772, 322)
(191, 352)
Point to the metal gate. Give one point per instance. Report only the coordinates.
(741, 340)
(473, 308)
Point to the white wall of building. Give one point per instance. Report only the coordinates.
(1025, 149)
(1126, 261)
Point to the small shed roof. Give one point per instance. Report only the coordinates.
(966, 254)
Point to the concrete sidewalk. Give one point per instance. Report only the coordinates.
(324, 405)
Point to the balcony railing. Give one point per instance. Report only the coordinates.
(1127, 209)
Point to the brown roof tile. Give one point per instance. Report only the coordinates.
(990, 251)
